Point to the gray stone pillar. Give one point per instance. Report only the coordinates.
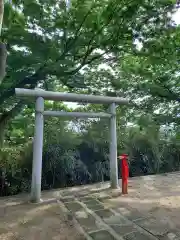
(113, 149)
(37, 151)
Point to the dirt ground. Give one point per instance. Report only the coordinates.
(158, 196)
(157, 201)
(153, 201)
(31, 222)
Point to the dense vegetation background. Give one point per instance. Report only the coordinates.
(125, 48)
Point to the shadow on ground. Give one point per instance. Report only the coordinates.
(27, 221)
(151, 210)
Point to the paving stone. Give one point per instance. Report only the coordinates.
(86, 199)
(66, 194)
(131, 214)
(116, 219)
(104, 213)
(101, 195)
(170, 236)
(156, 227)
(91, 202)
(123, 229)
(135, 215)
(117, 203)
(102, 235)
(67, 199)
(137, 236)
(103, 198)
(3, 231)
(87, 221)
(83, 193)
(73, 206)
(95, 207)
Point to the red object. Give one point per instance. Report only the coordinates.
(124, 172)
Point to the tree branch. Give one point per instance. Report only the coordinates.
(174, 95)
(33, 79)
(170, 94)
(42, 72)
(85, 62)
(171, 98)
(7, 116)
(1, 14)
(72, 42)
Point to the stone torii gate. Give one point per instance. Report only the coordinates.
(41, 95)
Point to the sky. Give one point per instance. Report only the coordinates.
(175, 17)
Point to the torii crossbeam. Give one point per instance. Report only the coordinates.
(41, 95)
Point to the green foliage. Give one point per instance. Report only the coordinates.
(48, 43)
(110, 47)
(75, 156)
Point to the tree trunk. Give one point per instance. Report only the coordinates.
(1, 14)
(6, 117)
(3, 50)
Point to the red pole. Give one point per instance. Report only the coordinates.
(124, 173)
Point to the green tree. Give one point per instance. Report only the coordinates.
(90, 47)
(49, 44)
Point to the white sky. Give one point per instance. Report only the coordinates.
(176, 17)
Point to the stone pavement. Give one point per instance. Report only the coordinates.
(100, 221)
(151, 210)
